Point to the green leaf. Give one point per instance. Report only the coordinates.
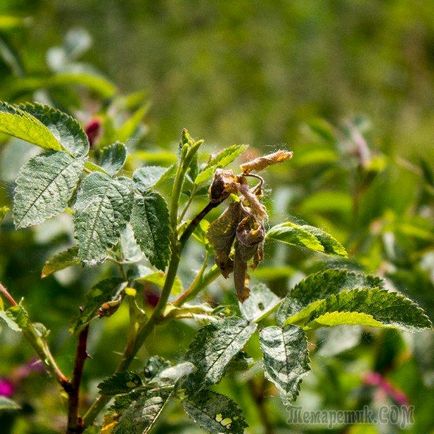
(130, 126)
(158, 279)
(286, 358)
(222, 159)
(44, 186)
(61, 260)
(260, 302)
(143, 412)
(64, 128)
(150, 222)
(214, 347)
(327, 202)
(3, 212)
(16, 318)
(365, 306)
(103, 292)
(215, 413)
(322, 284)
(154, 366)
(7, 404)
(113, 158)
(102, 208)
(9, 321)
(86, 78)
(306, 236)
(120, 382)
(141, 408)
(146, 177)
(18, 123)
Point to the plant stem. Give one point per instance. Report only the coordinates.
(196, 220)
(134, 344)
(136, 340)
(8, 296)
(201, 281)
(40, 345)
(187, 205)
(75, 423)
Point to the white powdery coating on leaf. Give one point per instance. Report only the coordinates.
(102, 210)
(44, 186)
(286, 359)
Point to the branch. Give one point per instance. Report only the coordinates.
(40, 345)
(75, 423)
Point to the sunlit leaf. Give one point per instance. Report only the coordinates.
(220, 160)
(112, 158)
(19, 123)
(150, 222)
(102, 208)
(44, 186)
(306, 236)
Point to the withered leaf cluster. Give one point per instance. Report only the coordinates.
(237, 236)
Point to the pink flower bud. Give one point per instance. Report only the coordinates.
(93, 129)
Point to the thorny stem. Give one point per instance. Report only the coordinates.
(40, 345)
(75, 423)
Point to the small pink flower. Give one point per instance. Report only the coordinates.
(7, 388)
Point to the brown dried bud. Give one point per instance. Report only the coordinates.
(261, 163)
(224, 183)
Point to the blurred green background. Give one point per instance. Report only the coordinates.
(348, 85)
(253, 71)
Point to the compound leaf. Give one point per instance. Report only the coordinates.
(64, 128)
(214, 347)
(286, 358)
(102, 208)
(150, 222)
(215, 413)
(44, 186)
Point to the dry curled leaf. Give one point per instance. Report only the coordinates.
(261, 163)
(221, 235)
(250, 236)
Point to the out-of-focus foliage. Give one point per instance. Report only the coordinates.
(238, 72)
